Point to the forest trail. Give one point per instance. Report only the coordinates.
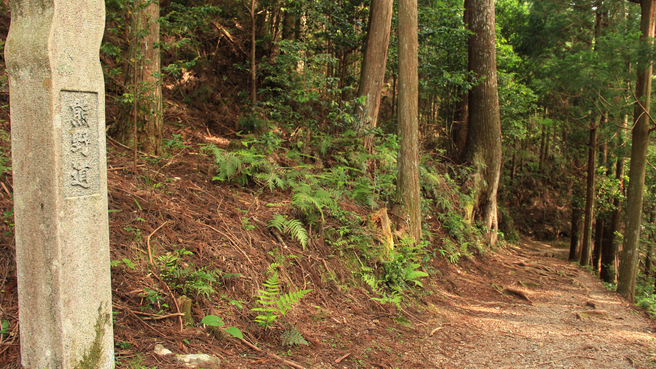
(568, 319)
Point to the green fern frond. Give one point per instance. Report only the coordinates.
(293, 227)
(309, 199)
(293, 337)
(288, 300)
(270, 300)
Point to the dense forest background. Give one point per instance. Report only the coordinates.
(289, 80)
(391, 141)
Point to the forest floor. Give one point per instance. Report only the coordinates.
(518, 306)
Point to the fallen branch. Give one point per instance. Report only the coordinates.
(437, 329)
(175, 301)
(157, 317)
(150, 254)
(339, 360)
(586, 314)
(517, 292)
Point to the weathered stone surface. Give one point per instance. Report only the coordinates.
(60, 183)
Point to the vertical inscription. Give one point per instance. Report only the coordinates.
(79, 114)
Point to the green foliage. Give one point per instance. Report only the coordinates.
(293, 227)
(401, 268)
(5, 155)
(293, 337)
(215, 321)
(243, 166)
(128, 263)
(154, 300)
(272, 302)
(184, 276)
(4, 327)
(312, 200)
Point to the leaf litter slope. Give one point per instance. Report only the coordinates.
(513, 308)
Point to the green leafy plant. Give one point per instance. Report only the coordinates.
(293, 227)
(154, 299)
(185, 276)
(127, 262)
(215, 321)
(293, 337)
(4, 327)
(311, 200)
(247, 225)
(272, 301)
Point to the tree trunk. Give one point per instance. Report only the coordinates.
(483, 147)
(541, 156)
(288, 22)
(576, 233)
(394, 97)
(408, 195)
(145, 122)
(372, 77)
(610, 247)
(639, 145)
(586, 247)
(599, 239)
(600, 224)
(253, 75)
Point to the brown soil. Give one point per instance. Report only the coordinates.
(516, 307)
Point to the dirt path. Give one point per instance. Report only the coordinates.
(569, 321)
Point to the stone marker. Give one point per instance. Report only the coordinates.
(60, 183)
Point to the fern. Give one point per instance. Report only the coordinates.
(309, 199)
(394, 298)
(292, 227)
(273, 302)
(412, 275)
(293, 337)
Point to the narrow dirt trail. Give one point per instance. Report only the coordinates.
(569, 320)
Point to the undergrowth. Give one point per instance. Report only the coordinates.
(324, 174)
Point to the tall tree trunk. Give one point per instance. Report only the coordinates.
(541, 155)
(639, 145)
(288, 22)
(408, 195)
(599, 239)
(146, 120)
(483, 147)
(394, 97)
(575, 233)
(253, 75)
(545, 154)
(600, 222)
(586, 247)
(372, 77)
(610, 247)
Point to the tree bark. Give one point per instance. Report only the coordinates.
(599, 239)
(483, 146)
(372, 77)
(253, 74)
(586, 247)
(600, 222)
(541, 155)
(610, 248)
(639, 145)
(144, 122)
(408, 195)
(575, 233)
